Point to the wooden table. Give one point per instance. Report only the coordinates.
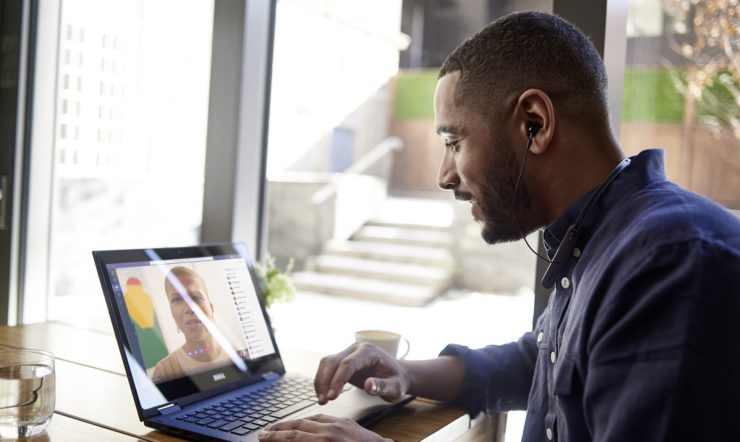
(94, 401)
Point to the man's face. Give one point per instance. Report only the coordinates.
(183, 314)
(479, 164)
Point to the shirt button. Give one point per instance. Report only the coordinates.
(540, 337)
(565, 282)
(548, 433)
(553, 357)
(576, 252)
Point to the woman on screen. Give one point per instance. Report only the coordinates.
(200, 352)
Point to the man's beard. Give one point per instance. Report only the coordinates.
(496, 201)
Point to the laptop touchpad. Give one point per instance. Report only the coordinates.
(354, 404)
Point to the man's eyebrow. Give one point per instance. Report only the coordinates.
(447, 130)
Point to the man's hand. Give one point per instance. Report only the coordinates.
(319, 428)
(364, 366)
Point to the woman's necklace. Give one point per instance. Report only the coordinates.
(199, 351)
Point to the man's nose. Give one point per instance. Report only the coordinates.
(447, 178)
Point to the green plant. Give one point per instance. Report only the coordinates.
(275, 284)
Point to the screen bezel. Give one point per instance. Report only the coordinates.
(184, 391)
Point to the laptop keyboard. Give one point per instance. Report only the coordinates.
(251, 411)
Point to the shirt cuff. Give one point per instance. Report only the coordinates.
(474, 390)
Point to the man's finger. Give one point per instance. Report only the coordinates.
(305, 425)
(287, 435)
(323, 418)
(347, 368)
(287, 429)
(326, 371)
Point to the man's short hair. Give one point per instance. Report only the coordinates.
(530, 50)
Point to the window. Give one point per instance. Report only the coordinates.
(129, 153)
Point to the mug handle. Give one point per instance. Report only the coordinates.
(408, 349)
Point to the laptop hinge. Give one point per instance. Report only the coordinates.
(169, 409)
(270, 376)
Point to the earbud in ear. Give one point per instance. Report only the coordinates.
(532, 129)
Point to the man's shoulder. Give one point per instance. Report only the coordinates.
(664, 214)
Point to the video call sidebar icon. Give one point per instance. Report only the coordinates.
(247, 318)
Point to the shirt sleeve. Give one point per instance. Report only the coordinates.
(664, 352)
(496, 377)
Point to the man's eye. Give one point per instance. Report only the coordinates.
(452, 145)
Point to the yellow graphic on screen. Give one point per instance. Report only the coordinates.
(139, 304)
(141, 311)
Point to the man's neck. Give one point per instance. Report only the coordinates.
(576, 173)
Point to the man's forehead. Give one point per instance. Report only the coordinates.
(453, 117)
(445, 91)
(445, 108)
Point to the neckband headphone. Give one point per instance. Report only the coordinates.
(568, 242)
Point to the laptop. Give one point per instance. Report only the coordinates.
(198, 349)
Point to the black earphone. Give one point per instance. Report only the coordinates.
(532, 129)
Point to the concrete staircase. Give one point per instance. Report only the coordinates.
(401, 256)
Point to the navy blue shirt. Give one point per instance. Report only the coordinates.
(641, 337)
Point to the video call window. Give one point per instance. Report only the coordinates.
(193, 316)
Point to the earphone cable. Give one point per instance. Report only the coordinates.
(516, 188)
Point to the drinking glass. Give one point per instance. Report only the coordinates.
(26, 392)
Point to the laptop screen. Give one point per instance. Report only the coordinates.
(190, 321)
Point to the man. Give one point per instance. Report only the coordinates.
(639, 340)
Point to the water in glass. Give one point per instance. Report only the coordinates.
(26, 394)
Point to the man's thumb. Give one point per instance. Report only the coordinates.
(387, 388)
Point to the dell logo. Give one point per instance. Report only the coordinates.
(219, 377)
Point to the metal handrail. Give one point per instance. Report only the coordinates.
(390, 144)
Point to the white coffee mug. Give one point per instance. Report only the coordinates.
(388, 341)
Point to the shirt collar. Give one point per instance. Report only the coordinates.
(646, 167)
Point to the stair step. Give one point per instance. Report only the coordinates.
(388, 222)
(365, 288)
(392, 252)
(383, 270)
(404, 235)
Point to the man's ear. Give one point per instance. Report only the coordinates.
(535, 115)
